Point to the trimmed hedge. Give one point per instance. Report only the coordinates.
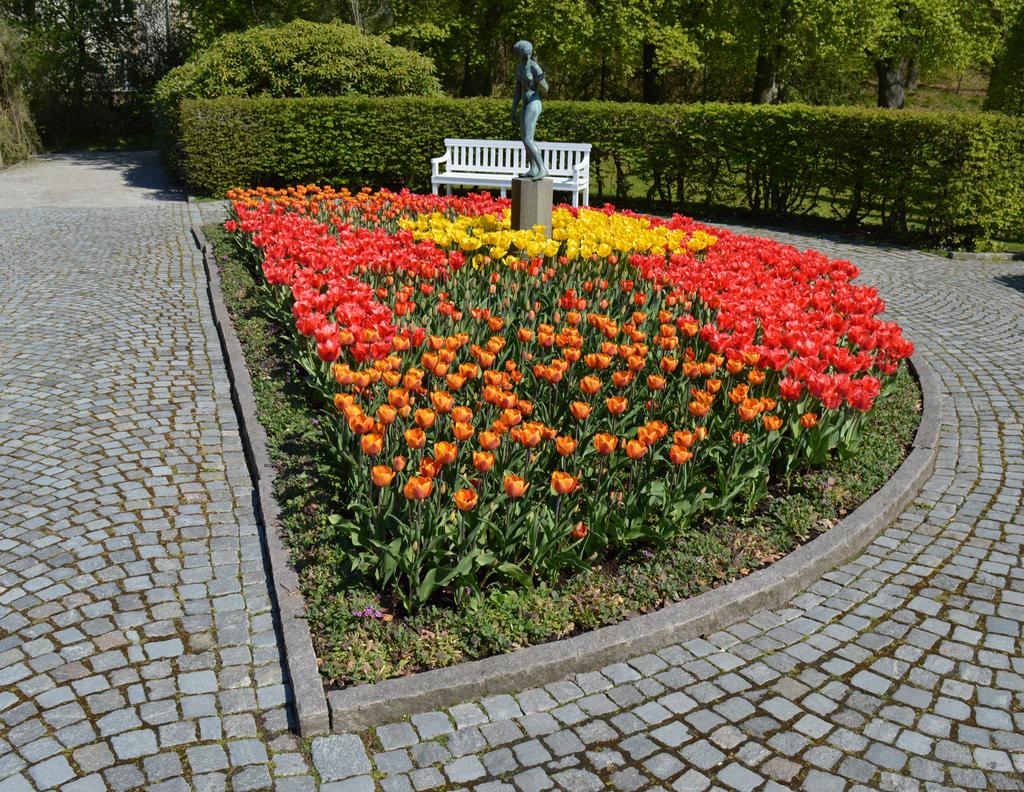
(957, 178)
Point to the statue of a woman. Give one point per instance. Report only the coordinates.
(530, 83)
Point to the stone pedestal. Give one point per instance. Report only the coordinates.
(531, 204)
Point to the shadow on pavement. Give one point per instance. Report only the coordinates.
(1013, 281)
(141, 170)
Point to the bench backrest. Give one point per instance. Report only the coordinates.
(509, 156)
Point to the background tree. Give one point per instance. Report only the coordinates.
(1006, 89)
(908, 38)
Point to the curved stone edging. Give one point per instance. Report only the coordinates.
(383, 702)
(310, 702)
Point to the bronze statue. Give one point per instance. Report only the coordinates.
(530, 84)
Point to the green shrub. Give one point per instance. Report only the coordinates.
(18, 138)
(956, 178)
(294, 60)
(1006, 88)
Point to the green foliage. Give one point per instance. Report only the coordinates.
(955, 178)
(1006, 89)
(17, 133)
(299, 59)
(90, 65)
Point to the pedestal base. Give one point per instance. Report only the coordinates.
(531, 204)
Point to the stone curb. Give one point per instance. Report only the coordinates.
(364, 706)
(304, 675)
(960, 255)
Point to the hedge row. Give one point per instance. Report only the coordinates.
(958, 178)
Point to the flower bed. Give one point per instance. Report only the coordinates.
(504, 409)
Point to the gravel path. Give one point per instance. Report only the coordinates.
(137, 642)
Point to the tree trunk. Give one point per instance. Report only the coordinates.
(653, 89)
(604, 76)
(766, 89)
(892, 81)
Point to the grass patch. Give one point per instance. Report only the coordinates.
(354, 649)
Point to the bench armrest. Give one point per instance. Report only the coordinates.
(436, 162)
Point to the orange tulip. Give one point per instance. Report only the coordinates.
(679, 455)
(713, 385)
(647, 435)
(739, 393)
(386, 414)
(616, 404)
(739, 438)
(605, 443)
(398, 397)
(734, 366)
(749, 409)
(483, 460)
(443, 401)
(621, 379)
(413, 379)
(655, 382)
(525, 334)
(700, 434)
(361, 424)
(466, 499)
(445, 452)
(565, 445)
(424, 418)
(489, 440)
(382, 475)
(372, 444)
(415, 438)
(429, 467)
(462, 431)
(398, 463)
(635, 449)
(698, 409)
(531, 434)
(590, 385)
(579, 531)
(771, 422)
(562, 482)
(669, 364)
(808, 420)
(418, 488)
(683, 438)
(579, 410)
(515, 486)
(755, 376)
(511, 417)
(462, 415)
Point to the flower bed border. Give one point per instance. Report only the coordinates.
(311, 709)
(363, 706)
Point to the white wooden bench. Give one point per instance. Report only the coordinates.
(494, 163)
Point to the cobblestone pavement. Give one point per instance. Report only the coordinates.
(136, 638)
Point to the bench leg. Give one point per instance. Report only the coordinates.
(448, 188)
(503, 193)
(586, 197)
(433, 189)
(575, 198)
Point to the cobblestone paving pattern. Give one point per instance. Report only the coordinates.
(136, 641)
